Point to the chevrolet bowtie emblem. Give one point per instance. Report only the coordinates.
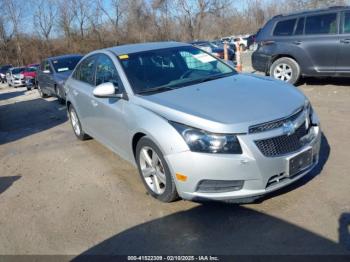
(288, 128)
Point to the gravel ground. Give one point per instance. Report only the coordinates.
(59, 195)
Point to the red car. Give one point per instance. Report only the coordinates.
(30, 75)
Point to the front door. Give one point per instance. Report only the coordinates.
(343, 58)
(108, 118)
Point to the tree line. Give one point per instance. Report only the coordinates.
(31, 30)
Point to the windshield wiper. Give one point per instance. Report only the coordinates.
(213, 77)
(155, 89)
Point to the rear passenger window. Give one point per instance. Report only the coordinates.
(346, 29)
(284, 28)
(321, 24)
(300, 26)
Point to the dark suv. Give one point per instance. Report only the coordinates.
(311, 43)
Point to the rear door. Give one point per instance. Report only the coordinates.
(320, 41)
(343, 58)
(81, 87)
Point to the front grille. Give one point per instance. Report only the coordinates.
(275, 124)
(284, 144)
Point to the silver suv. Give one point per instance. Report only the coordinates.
(193, 126)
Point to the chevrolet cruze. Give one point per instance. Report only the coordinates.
(192, 125)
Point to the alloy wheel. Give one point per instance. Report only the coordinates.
(283, 72)
(75, 122)
(152, 170)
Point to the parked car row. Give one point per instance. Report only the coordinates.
(244, 41)
(215, 49)
(49, 76)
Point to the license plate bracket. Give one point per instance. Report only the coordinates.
(300, 162)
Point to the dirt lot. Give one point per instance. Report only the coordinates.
(59, 195)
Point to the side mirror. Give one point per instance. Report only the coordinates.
(46, 72)
(106, 90)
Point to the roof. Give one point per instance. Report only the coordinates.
(63, 56)
(311, 11)
(134, 48)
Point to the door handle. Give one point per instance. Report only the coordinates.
(297, 42)
(94, 103)
(75, 92)
(345, 41)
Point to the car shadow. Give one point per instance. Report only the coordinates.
(7, 181)
(344, 230)
(218, 229)
(325, 151)
(24, 118)
(10, 95)
(338, 81)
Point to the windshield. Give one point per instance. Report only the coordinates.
(30, 69)
(65, 64)
(17, 70)
(170, 68)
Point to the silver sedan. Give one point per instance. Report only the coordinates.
(192, 125)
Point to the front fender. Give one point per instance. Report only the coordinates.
(157, 128)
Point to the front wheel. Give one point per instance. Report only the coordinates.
(41, 93)
(154, 171)
(76, 125)
(285, 69)
(58, 93)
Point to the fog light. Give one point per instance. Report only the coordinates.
(181, 177)
(219, 186)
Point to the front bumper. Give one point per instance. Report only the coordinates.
(20, 82)
(255, 169)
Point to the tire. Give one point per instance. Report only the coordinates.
(41, 92)
(29, 88)
(76, 125)
(166, 193)
(285, 69)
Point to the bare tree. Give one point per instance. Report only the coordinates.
(66, 17)
(115, 13)
(44, 17)
(13, 10)
(81, 9)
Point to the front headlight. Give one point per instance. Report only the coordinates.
(310, 113)
(206, 142)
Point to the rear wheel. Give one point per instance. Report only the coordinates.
(154, 171)
(285, 69)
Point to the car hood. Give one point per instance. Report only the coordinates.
(19, 76)
(27, 74)
(226, 105)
